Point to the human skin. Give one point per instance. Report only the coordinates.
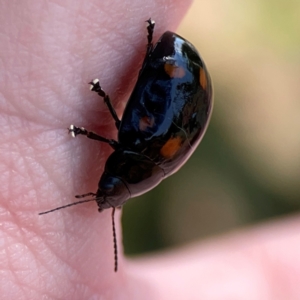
(49, 51)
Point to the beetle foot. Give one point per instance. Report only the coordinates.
(150, 29)
(151, 24)
(74, 130)
(96, 87)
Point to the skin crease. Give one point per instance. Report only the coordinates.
(50, 50)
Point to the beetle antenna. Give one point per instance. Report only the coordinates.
(64, 206)
(115, 238)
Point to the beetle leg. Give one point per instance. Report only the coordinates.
(95, 87)
(150, 29)
(91, 135)
(85, 195)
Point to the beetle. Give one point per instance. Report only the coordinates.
(164, 120)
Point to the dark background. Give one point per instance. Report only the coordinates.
(247, 168)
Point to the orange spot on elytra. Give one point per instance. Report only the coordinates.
(203, 79)
(145, 122)
(171, 147)
(174, 71)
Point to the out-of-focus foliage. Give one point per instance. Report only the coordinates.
(247, 168)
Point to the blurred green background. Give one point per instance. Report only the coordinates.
(247, 168)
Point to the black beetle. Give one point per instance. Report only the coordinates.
(165, 119)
